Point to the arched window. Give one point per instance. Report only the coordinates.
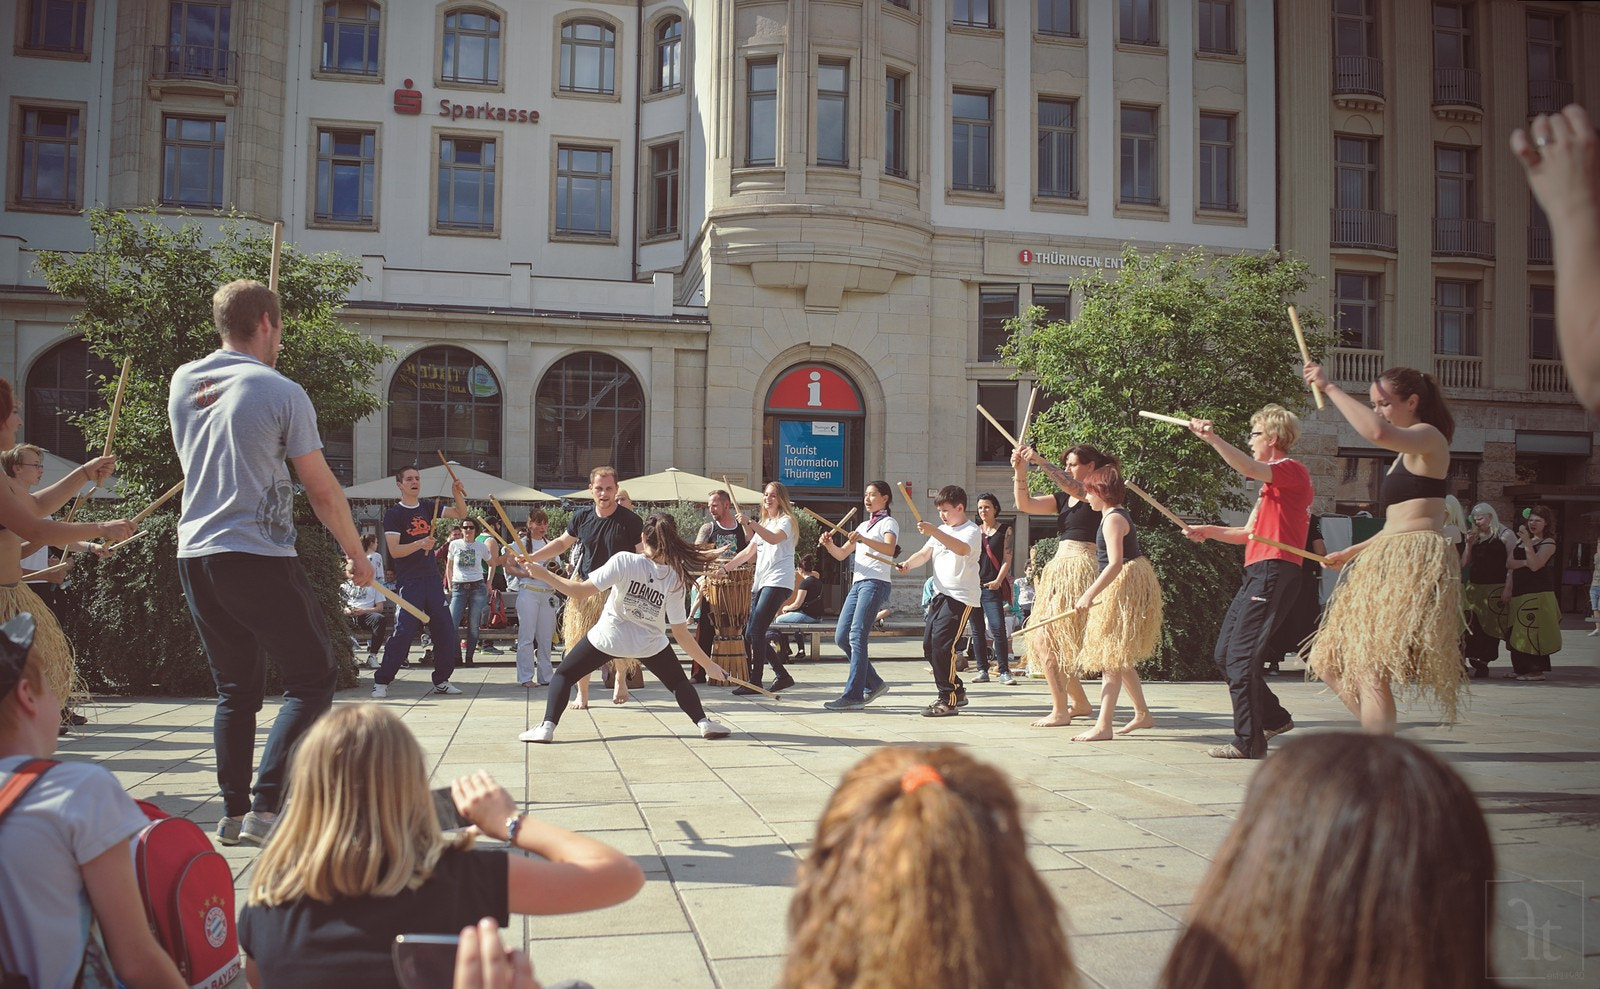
(444, 399)
(591, 413)
(588, 57)
(350, 37)
(669, 54)
(471, 48)
(62, 384)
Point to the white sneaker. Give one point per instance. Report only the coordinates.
(380, 690)
(710, 729)
(544, 732)
(446, 688)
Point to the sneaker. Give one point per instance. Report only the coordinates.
(782, 683)
(744, 691)
(228, 831)
(875, 693)
(710, 729)
(1229, 751)
(844, 704)
(1007, 679)
(939, 709)
(1282, 729)
(981, 677)
(374, 660)
(446, 688)
(490, 650)
(380, 690)
(257, 828)
(542, 733)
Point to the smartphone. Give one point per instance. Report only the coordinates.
(425, 961)
(444, 808)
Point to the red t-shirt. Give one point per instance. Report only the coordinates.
(1284, 513)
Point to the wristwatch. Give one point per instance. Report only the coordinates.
(513, 824)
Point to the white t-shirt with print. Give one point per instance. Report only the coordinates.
(957, 576)
(469, 561)
(775, 561)
(646, 597)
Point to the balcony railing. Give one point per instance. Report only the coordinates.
(1547, 376)
(203, 62)
(1539, 249)
(1456, 238)
(1364, 228)
(1458, 372)
(1548, 95)
(1458, 87)
(1357, 367)
(1357, 74)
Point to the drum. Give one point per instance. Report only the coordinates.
(728, 604)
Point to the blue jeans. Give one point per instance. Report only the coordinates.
(990, 623)
(473, 596)
(861, 607)
(763, 608)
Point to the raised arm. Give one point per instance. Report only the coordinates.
(1231, 455)
(1417, 439)
(1025, 500)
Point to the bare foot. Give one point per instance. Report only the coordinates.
(579, 703)
(1083, 713)
(1053, 720)
(1142, 721)
(1096, 734)
(619, 693)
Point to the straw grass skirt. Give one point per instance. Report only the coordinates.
(1395, 618)
(581, 616)
(54, 652)
(1125, 623)
(1068, 574)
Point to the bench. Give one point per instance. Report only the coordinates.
(816, 630)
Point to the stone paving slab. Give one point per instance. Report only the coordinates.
(1121, 831)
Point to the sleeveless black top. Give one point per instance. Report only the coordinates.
(1525, 581)
(1078, 523)
(1488, 564)
(1400, 485)
(1130, 542)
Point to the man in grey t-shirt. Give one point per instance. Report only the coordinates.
(235, 420)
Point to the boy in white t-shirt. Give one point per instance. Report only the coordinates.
(955, 549)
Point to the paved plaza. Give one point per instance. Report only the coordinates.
(1122, 830)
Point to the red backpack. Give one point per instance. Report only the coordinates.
(187, 889)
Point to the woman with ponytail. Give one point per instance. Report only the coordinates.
(1396, 615)
(650, 596)
(919, 879)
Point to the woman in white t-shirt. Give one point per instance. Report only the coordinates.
(649, 596)
(772, 545)
(877, 536)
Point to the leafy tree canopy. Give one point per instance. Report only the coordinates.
(1185, 334)
(146, 290)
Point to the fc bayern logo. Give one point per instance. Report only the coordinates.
(205, 394)
(1026, 257)
(216, 927)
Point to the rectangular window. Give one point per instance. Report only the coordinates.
(350, 37)
(347, 175)
(669, 55)
(1058, 148)
(1355, 172)
(1455, 195)
(1055, 300)
(588, 57)
(467, 177)
(761, 112)
(583, 191)
(999, 399)
(833, 113)
(192, 158)
(1452, 35)
(1218, 187)
(996, 304)
(1542, 323)
(1549, 84)
(972, 141)
(664, 179)
(1139, 168)
(198, 41)
(1216, 27)
(1136, 23)
(894, 124)
(1355, 29)
(471, 52)
(972, 13)
(56, 25)
(1059, 18)
(1356, 298)
(48, 158)
(1455, 319)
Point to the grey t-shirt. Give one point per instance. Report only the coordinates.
(234, 422)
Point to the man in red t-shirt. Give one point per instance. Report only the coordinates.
(1271, 575)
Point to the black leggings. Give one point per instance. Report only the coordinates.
(583, 659)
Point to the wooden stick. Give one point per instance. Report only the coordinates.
(48, 571)
(111, 432)
(730, 678)
(277, 246)
(1305, 354)
(905, 489)
(1158, 417)
(880, 558)
(1063, 616)
(118, 545)
(157, 503)
(416, 612)
(836, 528)
(515, 541)
(1291, 549)
(1022, 435)
(734, 501)
(1164, 510)
(435, 517)
(447, 466)
(1001, 429)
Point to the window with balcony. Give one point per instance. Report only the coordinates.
(972, 141)
(1216, 28)
(1357, 63)
(1549, 81)
(1457, 230)
(1356, 300)
(996, 304)
(1137, 23)
(588, 57)
(972, 13)
(58, 26)
(193, 153)
(198, 44)
(1218, 179)
(1139, 164)
(1540, 248)
(583, 191)
(1058, 148)
(894, 124)
(1455, 318)
(1357, 218)
(665, 181)
(347, 176)
(468, 172)
(471, 52)
(1058, 18)
(668, 55)
(761, 112)
(1542, 323)
(49, 158)
(350, 37)
(999, 398)
(1455, 61)
(833, 113)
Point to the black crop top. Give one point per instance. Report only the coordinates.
(1400, 485)
(1077, 523)
(1130, 542)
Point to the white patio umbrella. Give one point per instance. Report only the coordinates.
(673, 484)
(436, 484)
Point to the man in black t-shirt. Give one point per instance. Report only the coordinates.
(729, 537)
(408, 529)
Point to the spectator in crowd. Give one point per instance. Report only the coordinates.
(364, 607)
(804, 606)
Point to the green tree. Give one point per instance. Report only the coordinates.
(146, 289)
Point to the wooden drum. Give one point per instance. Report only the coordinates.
(728, 603)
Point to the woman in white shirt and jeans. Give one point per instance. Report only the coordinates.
(772, 545)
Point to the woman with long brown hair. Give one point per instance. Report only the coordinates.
(1535, 615)
(919, 879)
(772, 547)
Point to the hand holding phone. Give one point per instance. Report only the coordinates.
(444, 809)
(483, 802)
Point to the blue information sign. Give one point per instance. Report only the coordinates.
(811, 454)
